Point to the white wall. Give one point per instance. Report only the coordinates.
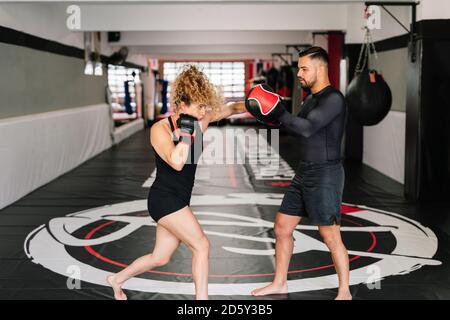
(393, 65)
(38, 148)
(43, 20)
(384, 146)
(433, 9)
(48, 21)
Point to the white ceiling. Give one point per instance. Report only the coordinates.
(213, 29)
(199, 28)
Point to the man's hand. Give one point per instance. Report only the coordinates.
(265, 105)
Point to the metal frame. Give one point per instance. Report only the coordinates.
(297, 47)
(413, 31)
(281, 56)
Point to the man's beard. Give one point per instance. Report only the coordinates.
(306, 85)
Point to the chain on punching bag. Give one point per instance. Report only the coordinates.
(368, 96)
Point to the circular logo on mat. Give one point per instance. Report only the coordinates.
(380, 244)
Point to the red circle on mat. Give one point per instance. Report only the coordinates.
(344, 210)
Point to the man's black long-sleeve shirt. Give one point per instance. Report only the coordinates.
(319, 125)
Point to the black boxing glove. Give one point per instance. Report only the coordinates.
(186, 124)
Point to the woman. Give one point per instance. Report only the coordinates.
(177, 142)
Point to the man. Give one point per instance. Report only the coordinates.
(316, 190)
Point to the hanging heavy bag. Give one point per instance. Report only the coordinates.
(127, 98)
(285, 81)
(369, 97)
(272, 78)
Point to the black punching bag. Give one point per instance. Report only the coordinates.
(369, 97)
(285, 81)
(272, 78)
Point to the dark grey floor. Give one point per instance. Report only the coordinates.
(117, 175)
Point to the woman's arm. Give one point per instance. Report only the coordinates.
(227, 110)
(161, 140)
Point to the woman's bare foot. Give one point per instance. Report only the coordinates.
(271, 289)
(118, 292)
(344, 295)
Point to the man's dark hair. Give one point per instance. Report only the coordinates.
(315, 53)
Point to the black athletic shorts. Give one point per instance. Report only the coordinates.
(161, 203)
(316, 193)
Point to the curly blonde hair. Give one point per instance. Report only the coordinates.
(193, 86)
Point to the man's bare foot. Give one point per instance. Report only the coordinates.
(271, 289)
(118, 293)
(344, 295)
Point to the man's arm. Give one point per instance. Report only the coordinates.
(327, 109)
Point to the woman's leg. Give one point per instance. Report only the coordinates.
(166, 243)
(184, 225)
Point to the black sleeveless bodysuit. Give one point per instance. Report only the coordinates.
(172, 189)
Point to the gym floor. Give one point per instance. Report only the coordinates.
(93, 220)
